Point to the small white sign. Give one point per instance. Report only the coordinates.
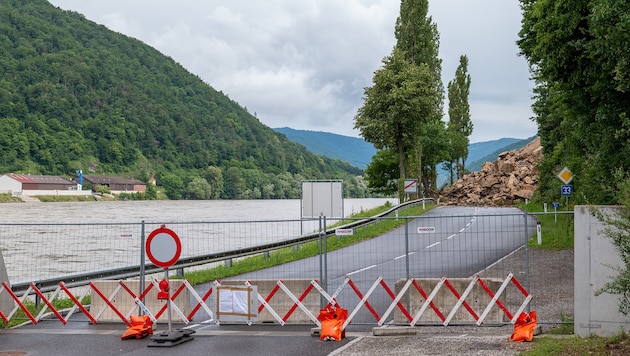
(426, 229)
(411, 186)
(344, 232)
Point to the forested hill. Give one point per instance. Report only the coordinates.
(75, 95)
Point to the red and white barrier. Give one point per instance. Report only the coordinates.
(266, 302)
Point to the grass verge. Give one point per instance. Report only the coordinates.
(556, 228)
(573, 345)
(309, 249)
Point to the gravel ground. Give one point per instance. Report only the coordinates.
(551, 285)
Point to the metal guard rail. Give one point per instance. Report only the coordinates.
(81, 279)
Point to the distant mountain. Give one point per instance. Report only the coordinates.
(501, 146)
(355, 151)
(359, 152)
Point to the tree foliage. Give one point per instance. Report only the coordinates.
(75, 95)
(618, 231)
(402, 111)
(394, 106)
(460, 126)
(578, 57)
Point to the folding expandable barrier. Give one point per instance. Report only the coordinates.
(265, 303)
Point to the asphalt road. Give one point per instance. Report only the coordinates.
(80, 338)
(462, 241)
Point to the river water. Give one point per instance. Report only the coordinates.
(165, 210)
(46, 240)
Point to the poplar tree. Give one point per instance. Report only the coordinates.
(460, 126)
(402, 111)
(417, 36)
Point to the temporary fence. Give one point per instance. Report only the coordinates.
(373, 278)
(202, 303)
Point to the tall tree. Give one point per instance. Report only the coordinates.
(459, 124)
(398, 100)
(417, 36)
(577, 53)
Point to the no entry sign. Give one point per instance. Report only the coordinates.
(163, 247)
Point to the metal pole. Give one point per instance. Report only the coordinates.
(527, 259)
(142, 258)
(321, 263)
(168, 300)
(325, 258)
(407, 247)
(407, 259)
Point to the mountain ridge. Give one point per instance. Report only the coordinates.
(359, 152)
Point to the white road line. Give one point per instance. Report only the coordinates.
(462, 229)
(360, 270)
(433, 244)
(401, 256)
(450, 237)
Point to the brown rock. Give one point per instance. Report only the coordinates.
(510, 179)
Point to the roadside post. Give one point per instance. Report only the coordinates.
(163, 248)
(555, 205)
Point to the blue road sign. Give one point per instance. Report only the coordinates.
(555, 204)
(567, 190)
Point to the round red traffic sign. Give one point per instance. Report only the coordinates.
(163, 247)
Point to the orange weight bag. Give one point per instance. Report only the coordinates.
(141, 326)
(332, 319)
(524, 327)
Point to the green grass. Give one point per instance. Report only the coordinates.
(309, 249)
(573, 345)
(9, 198)
(556, 229)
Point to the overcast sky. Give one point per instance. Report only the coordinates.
(305, 63)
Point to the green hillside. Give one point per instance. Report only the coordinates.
(75, 95)
(353, 150)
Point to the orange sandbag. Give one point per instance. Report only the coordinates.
(141, 326)
(524, 327)
(332, 319)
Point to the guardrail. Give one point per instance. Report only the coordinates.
(82, 279)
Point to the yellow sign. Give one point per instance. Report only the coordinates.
(565, 175)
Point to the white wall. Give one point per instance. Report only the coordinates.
(57, 192)
(8, 184)
(595, 313)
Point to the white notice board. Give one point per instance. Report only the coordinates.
(322, 198)
(236, 303)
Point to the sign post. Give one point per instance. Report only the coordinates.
(566, 176)
(163, 249)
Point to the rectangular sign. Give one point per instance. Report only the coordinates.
(236, 303)
(426, 229)
(344, 232)
(411, 185)
(322, 198)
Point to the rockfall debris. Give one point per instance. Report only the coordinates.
(510, 179)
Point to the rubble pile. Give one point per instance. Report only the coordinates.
(510, 179)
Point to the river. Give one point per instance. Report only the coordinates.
(46, 240)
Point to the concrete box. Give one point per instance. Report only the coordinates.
(445, 300)
(595, 259)
(281, 302)
(125, 303)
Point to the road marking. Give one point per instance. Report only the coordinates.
(360, 270)
(401, 256)
(462, 229)
(434, 244)
(450, 237)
